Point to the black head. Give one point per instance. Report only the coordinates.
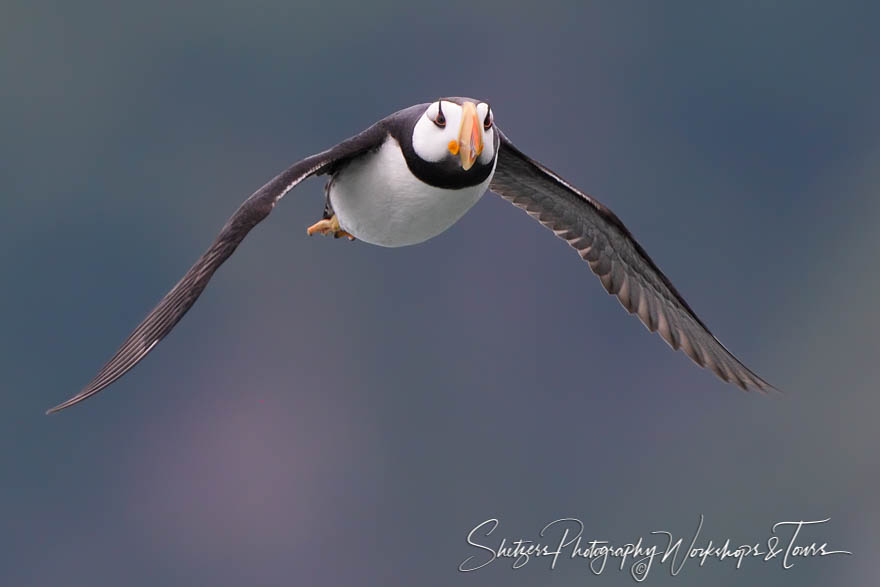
(450, 143)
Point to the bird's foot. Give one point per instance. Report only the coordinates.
(328, 226)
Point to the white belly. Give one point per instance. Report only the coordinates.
(378, 200)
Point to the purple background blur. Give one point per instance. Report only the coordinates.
(332, 413)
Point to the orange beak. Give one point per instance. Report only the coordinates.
(470, 137)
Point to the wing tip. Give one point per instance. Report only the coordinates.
(749, 381)
(766, 388)
(83, 395)
(66, 404)
(56, 409)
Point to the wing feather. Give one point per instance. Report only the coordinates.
(162, 319)
(622, 265)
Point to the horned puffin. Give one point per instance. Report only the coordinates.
(408, 178)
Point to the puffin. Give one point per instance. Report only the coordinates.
(408, 178)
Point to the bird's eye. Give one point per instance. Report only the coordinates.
(487, 122)
(440, 120)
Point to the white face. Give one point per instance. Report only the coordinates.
(437, 137)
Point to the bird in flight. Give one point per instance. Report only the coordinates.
(411, 176)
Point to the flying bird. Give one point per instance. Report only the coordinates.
(411, 176)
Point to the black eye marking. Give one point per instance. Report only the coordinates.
(487, 123)
(440, 120)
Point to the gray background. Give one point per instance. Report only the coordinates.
(334, 413)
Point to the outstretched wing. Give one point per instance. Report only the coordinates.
(182, 296)
(622, 265)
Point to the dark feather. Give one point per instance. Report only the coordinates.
(623, 266)
(162, 319)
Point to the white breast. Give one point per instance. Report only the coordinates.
(378, 200)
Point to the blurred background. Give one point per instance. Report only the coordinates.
(336, 413)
